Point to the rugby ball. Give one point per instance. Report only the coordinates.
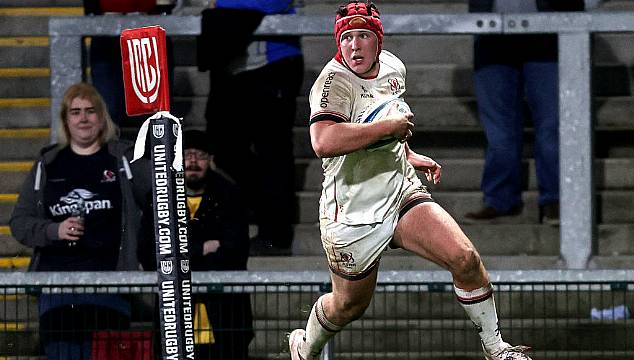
(382, 110)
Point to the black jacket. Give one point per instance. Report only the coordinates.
(221, 216)
(542, 5)
(31, 226)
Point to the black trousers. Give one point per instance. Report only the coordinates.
(250, 118)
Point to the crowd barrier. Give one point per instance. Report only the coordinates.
(563, 314)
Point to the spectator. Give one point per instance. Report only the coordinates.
(251, 111)
(219, 241)
(77, 211)
(105, 55)
(509, 68)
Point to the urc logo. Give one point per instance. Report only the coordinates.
(145, 72)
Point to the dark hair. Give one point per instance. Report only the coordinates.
(196, 139)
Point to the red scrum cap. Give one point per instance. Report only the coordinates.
(358, 16)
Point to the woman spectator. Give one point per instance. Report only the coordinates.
(77, 212)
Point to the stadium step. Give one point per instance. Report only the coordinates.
(19, 339)
(10, 247)
(441, 79)
(14, 263)
(428, 336)
(24, 82)
(432, 112)
(397, 260)
(13, 174)
(459, 174)
(504, 240)
(611, 206)
(24, 51)
(20, 145)
(465, 174)
(31, 21)
(18, 113)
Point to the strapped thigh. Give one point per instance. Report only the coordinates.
(417, 198)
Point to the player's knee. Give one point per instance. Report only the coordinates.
(466, 262)
(351, 310)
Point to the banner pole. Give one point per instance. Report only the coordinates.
(170, 229)
(146, 85)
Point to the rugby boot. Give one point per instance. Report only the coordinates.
(508, 352)
(294, 339)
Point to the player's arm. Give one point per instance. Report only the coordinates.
(425, 164)
(331, 138)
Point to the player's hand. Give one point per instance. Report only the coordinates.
(427, 165)
(210, 246)
(70, 229)
(402, 125)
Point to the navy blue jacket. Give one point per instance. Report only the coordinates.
(542, 5)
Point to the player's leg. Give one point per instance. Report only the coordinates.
(347, 302)
(429, 231)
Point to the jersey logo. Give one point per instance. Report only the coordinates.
(325, 91)
(366, 94)
(71, 202)
(76, 194)
(108, 176)
(395, 85)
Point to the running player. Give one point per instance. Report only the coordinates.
(371, 196)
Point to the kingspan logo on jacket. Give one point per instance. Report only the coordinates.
(70, 202)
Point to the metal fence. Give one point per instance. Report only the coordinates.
(413, 315)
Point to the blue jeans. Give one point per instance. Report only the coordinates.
(500, 91)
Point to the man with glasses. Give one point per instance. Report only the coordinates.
(218, 234)
(218, 240)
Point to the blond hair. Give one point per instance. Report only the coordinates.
(88, 92)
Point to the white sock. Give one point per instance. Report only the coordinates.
(318, 331)
(480, 307)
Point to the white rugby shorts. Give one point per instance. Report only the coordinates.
(354, 250)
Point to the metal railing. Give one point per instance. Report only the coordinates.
(577, 193)
(413, 315)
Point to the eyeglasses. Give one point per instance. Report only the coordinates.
(196, 155)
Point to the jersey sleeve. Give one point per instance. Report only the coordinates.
(330, 98)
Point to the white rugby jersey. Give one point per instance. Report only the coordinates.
(365, 186)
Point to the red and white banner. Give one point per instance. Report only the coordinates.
(145, 77)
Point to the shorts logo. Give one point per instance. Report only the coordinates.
(347, 259)
(144, 68)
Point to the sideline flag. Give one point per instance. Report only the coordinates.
(146, 83)
(145, 76)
